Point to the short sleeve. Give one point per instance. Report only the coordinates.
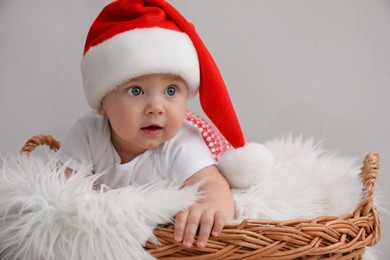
(82, 143)
(188, 153)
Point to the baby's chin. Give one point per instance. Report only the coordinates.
(152, 141)
(153, 144)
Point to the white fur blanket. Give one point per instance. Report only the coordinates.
(45, 216)
(294, 178)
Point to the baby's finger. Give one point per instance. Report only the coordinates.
(191, 227)
(180, 224)
(206, 224)
(219, 223)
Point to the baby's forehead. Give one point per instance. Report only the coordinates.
(147, 79)
(162, 76)
(174, 77)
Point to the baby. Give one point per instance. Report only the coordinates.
(142, 62)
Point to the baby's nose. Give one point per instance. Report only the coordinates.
(154, 107)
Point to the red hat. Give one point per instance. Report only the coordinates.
(130, 38)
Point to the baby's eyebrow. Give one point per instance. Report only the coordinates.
(175, 77)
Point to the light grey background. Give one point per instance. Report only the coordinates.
(317, 68)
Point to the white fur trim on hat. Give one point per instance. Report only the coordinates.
(135, 53)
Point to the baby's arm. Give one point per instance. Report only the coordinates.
(211, 213)
(68, 172)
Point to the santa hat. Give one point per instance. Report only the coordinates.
(130, 38)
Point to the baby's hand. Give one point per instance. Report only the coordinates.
(209, 215)
(210, 220)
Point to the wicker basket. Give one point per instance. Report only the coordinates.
(324, 237)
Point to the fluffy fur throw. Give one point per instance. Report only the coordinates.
(44, 216)
(291, 178)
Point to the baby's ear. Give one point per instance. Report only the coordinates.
(101, 110)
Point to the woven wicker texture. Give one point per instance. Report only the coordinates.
(324, 237)
(343, 237)
(37, 140)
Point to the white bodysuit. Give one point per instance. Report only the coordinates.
(88, 144)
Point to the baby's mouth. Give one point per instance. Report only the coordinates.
(152, 130)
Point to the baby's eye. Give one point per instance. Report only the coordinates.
(170, 91)
(135, 91)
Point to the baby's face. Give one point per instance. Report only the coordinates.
(145, 112)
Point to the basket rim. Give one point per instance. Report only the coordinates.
(345, 235)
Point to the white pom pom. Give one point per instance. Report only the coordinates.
(245, 166)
